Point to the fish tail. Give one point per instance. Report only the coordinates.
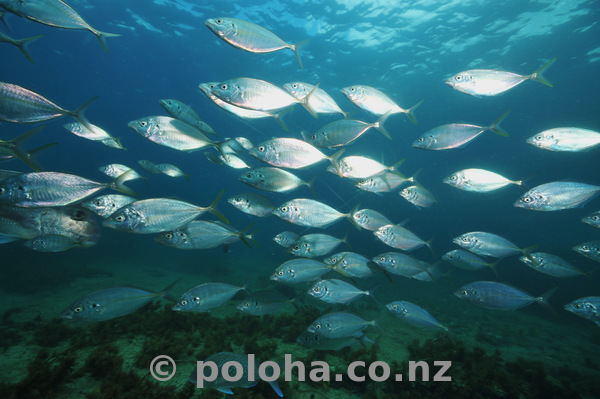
(496, 128)
(493, 266)
(78, 114)
(538, 75)
(345, 239)
(306, 102)
(25, 156)
(102, 38)
(118, 141)
(166, 294)
(413, 178)
(395, 166)
(212, 208)
(119, 183)
(410, 112)
(22, 45)
(334, 160)
(428, 243)
(245, 238)
(296, 49)
(279, 118)
(310, 184)
(527, 253)
(370, 294)
(379, 124)
(351, 219)
(543, 300)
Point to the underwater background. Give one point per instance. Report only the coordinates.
(407, 50)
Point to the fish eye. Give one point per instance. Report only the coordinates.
(458, 78)
(98, 203)
(280, 272)
(395, 307)
(261, 148)
(78, 215)
(246, 304)
(317, 326)
(219, 21)
(284, 209)
(420, 139)
(185, 240)
(538, 137)
(353, 89)
(316, 289)
(463, 292)
(314, 136)
(78, 309)
(168, 236)
(382, 258)
(595, 218)
(223, 87)
(577, 306)
(143, 123)
(295, 85)
(120, 218)
(527, 199)
(2, 190)
(453, 177)
(465, 239)
(184, 302)
(585, 247)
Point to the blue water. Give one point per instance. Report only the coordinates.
(406, 49)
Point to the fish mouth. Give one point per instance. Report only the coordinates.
(448, 82)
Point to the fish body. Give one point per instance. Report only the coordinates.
(319, 342)
(309, 213)
(249, 36)
(479, 180)
(397, 236)
(359, 167)
(106, 205)
(487, 244)
(343, 132)
(171, 132)
(370, 219)
(493, 295)
(300, 270)
(587, 307)
(336, 291)
(51, 243)
(286, 238)
(551, 265)
(350, 264)
(592, 219)
(399, 264)
(383, 182)
(571, 139)
(252, 204)
(115, 170)
(273, 179)
(202, 234)
(265, 302)
(288, 153)
(319, 101)
(590, 249)
(204, 297)
(185, 113)
(96, 133)
(490, 82)
(148, 166)
(466, 260)
(376, 102)
(419, 196)
(556, 196)
(171, 170)
(339, 325)
(415, 315)
(313, 245)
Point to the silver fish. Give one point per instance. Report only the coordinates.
(400, 264)
(479, 180)
(53, 189)
(339, 325)
(233, 161)
(456, 135)
(590, 249)
(263, 302)
(320, 342)
(286, 238)
(171, 132)
(493, 295)
(370, 219)
(350, 264)
(300, 270)
(171, 170)
(115, 170)
(204, 297)
(249, 36)
(94, 134)
(592, 219)
(148, 166)
(377, 102)
(21, 44)
(291, 153)
(490, 82)
(106, 205)
(320, 101)
(570, 139)
(359, 167)
(383, 182)
(587, 307)
(273, 179)
(556, 196)
(51, 243)
(551, 265)
(419, 196)
(185, 113)
(415, 315)
(336, 291)
(343, 132)
(55, 13)
(20, 105)
(397, 236)
(109, 303)
(252, 204)
(202, 234)
(467, 260)
(310, 213)
(489, 244)
(313, 245)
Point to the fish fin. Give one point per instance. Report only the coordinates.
(334, 160)
(371, 291)
(102, 38)
(296, 49)
(5, 238)
(428, 244)
(538, 75)
(24, 155)
(493, 267)
(166, 294)
(543, 300)
(410, 112)
(395, 166)
(275, 384)
(349, 216)
(310, 184)
(527, 253)
(23, 43)
(379, 124)
(496, 128)
(242, 235)
(345, 239)
(526, 178)
(227, 391)
(278, 116)
(306, 102)
(212, 208)
(78, 114)
(413, 178)
(119, 183)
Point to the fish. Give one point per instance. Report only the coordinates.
(246, 378)
(155, 215)
(570, 139)
(110, 303)
(419, 196)
(53, 189)
(21, 105)
(172, 133)
(479, 180)
(258, 95)
(337, 291)
(264, 302)
(319, 342)
(377, 102)
(274, 180)
(415, 315)
(202, 234)
(14, 148)
(340, 325)
(148, 166)
(73, 222)
(205, 297)
(233, 161)
(400, 264)
(551, 265)
(51, 243)
(300, 270)
(291, 153)
(587, 308)
(252, 204)
(556, 196)
(249, 36)
(489, 244)
(468, 260)
(55, 13)
(397, 236)
(350, 264)
(456, 135)
(186, 113)
(320, 101)
(383, 182)
(313, 245)
(592, 219)
(359, 167)
(286, 238)
(21, 44)
(310, 213)
(493, 295)
(370, 219)
(115, 170)
(343, 132)
(490, 82)
(171, 170)
(96, 133)
(106, 205)
(590, 249)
